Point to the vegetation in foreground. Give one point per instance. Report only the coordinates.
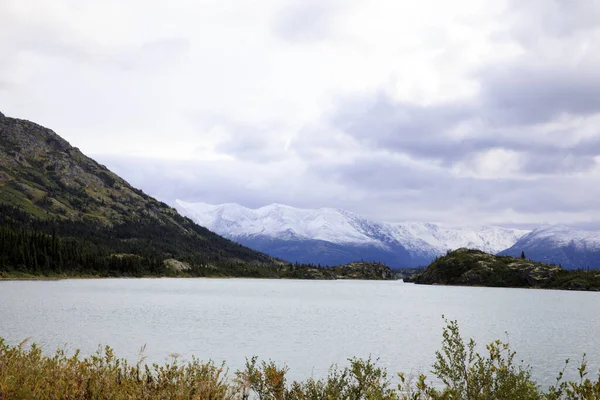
(26, 373)
(476, 268)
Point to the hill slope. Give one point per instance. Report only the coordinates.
(334, 236)
(571, 248)
(476, 268)
(61, 209)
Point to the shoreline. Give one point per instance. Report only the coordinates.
(93, 277)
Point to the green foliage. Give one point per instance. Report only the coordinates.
(361, 380)
(476, 268)
(576, 280)
(36, 247)
(26, 373)
(468, 375)
(364, 270)
(266, 380)
(579, 390)
(107, 178)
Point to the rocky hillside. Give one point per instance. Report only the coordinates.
(48, 178)
(476, 268)
(62, 213)
(48, 186)
(356, 270)
(364, 270)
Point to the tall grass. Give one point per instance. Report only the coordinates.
(26, 373)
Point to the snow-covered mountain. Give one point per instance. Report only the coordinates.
(490, 239)
(571, 248)
(333, 236)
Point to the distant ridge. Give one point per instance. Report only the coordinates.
(330, 236)
(571, 248)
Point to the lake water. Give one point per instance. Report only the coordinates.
(307, 325)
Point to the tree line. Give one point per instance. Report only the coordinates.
(55, 247)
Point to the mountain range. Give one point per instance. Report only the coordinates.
(560, 245)
(62, 212)
(329, 236)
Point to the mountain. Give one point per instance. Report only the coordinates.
(326, 237)
(63, 214)
(476, 268)
(333, 236)
(62, 211)
(571, 248)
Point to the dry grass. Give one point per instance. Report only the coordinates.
(26, 373)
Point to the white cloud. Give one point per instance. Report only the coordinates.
(272, 101)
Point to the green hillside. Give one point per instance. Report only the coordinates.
(62, 211)
(63, 214)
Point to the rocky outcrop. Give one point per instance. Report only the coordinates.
(364, 270)
(476, 268)
(536, 274)
(176, 265)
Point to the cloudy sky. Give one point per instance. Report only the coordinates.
(461, 112)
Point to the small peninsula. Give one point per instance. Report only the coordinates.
(468, 267)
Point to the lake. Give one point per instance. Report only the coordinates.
(307, 325)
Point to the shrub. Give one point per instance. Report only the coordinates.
(362, 380)
(582, 390)
(468, 375)
(26, 373)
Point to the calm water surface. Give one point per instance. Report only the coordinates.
(307, 325)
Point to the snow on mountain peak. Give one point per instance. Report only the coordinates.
(343, 227)
(233, 220)
(562, 236)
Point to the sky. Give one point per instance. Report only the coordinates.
(459, 112)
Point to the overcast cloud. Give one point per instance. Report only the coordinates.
(464, 112)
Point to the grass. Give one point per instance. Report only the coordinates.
(26, 373)
(11, 196)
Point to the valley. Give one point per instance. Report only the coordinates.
(63, 214)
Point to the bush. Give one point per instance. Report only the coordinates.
(582, 390)
(362, 380)
(468, 375)
(28, 374)
(25, 373)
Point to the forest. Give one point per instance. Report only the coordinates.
(37, 248)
